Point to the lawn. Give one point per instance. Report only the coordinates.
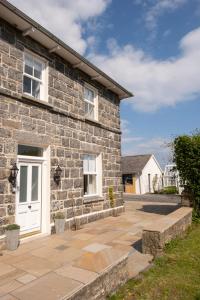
(174, 276)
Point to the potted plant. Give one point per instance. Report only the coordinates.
(59, 222)
(12, 236)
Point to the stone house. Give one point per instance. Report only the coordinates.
(58, 113)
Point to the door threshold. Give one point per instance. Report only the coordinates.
(31, 236)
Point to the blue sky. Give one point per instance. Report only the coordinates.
(152, 47)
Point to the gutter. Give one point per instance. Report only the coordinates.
(60, 43)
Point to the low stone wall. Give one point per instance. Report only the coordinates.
(155, 236)
(79, 221)
(153, 198)
(106, 283)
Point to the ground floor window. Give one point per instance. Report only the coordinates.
(92, 174)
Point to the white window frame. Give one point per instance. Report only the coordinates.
(97, 173)
(95, 104)
(43, 81)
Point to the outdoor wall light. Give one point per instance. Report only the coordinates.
(13, 175)
(57, 175)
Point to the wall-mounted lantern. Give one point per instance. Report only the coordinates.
(57, 175)
(13, 175)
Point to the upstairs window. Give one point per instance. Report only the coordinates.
(90, 98)
(34, 77)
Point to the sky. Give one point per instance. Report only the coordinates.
(151, 47)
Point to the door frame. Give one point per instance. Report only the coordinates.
(45, 187)
(23, 206)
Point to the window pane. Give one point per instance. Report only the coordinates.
(29, 150)
(37, 69)
(86, 108)
(28, 70)
(85, 184)
(34, 192)
(91, 111)
(92, 164)
(28, 65)
(85, 164)
(35, 89)
(23, 184)
(89, 95)
(27, 85)
(92, 184)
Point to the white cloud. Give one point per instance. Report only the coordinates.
(155, 83)
(159, 8)
(133, 145)
(157, 146)
(64, 18)
(127, 135)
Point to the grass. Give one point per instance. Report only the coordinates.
(175, 275)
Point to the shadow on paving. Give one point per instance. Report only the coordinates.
(137, 245)
(159, 209)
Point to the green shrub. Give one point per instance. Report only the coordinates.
(111, 197)
(170, 190)
(59, 215)
(12, 227)
(186, 150)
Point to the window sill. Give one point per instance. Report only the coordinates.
(89, 199)
(37, 102)
(92, 121)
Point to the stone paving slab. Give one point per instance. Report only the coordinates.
(59, 266)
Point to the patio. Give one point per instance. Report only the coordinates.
(57, 266)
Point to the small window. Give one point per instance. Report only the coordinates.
(90, 98)
(34, 77)
(90, 175)
(29, 150)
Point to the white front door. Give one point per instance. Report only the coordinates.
(29, 196)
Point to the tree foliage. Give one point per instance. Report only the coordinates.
(187, 158)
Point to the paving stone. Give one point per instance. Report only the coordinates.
(95, 262)
(78, 274)
(9, 287)
(51, 286)
(26, 278)
(61, 247)
(75, 257)
(5, 269)
(37, 266)
(8, 297)
(95, 247)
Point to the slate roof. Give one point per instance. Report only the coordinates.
(134, 164)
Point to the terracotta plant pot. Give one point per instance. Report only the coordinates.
(12, 239)
(60, 225)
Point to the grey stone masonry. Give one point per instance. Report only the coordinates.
(58, 123)
(157, 235)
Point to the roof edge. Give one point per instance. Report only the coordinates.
(19, 13)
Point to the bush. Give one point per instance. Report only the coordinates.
(111, 196)
(186, 156)
(12, 227)
(59, 215)
(170, 190)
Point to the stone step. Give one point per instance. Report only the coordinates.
(137, 263)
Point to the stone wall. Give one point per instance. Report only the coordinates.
(106, 283)
(58, 123)
(155, 237)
